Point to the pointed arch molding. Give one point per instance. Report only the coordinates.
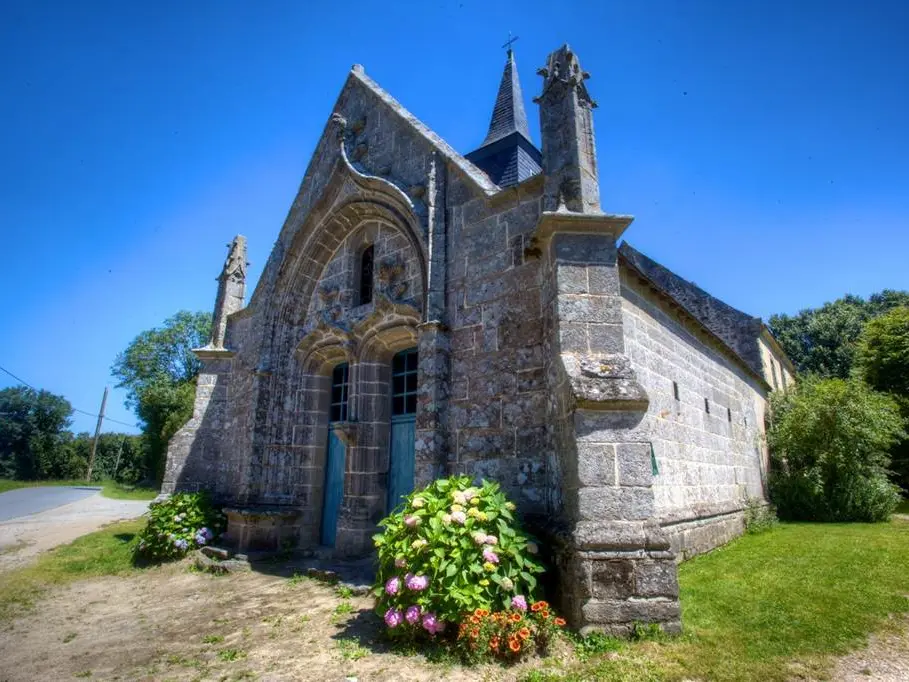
(350, 199)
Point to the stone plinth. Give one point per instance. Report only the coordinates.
(262, 529)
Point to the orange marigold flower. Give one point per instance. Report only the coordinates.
(494, 643)
(524, 633)
(515, 617)
(536, 606)
(475, 633)
(475, 620)
(482, 613)
(514, 645)
(544, 614)
(560, 622)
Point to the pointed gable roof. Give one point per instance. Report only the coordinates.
(507, 155)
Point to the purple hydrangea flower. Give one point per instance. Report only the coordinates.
(412, 614)
(181, 544)
(519, 603)
(490, 556)
(393, 618)
(392, 585)
(416, 582)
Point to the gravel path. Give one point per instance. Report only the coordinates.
(22, 538)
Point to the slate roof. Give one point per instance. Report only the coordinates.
(507, 155)
(737, 330)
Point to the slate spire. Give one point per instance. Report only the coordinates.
(508, 115)
(507, 155)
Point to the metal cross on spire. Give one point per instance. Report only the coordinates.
(510, 41)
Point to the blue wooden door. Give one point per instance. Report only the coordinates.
(403, 413)
(333, 491)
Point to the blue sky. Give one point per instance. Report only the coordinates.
(762, 146)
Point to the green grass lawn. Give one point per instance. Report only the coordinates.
(111, 489)
(769, 605)
(105, 552)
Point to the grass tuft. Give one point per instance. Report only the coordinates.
(110, 489)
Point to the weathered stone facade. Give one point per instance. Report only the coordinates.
(573, 372)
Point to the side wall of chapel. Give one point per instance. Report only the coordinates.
(708, 444)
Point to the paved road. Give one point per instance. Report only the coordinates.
(25, 501)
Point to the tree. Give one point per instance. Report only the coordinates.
(823, 340)
(882, 360)
(34, 435)
(159, 369)
(829, 443)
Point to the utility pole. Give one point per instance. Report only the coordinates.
(119, 452)
(91, 459)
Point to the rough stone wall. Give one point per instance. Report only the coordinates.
(497, 416)
(709, 462)
(777, 369)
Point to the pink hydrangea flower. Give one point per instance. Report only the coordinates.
(410, 521)
(416, 583)
(459, 517)
(479, 537)
(490, 556)
(400, 562)
(392, 585)
(431, 623)
(519, 603)
(412, 614)
(393, 618)
(492, 540)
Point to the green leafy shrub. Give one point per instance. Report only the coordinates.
(829, 441)
(508, 635)
(448, 550)
(177, 525)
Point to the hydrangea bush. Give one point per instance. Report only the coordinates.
(448, 550)
(183, 522)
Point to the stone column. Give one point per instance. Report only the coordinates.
(615, 565)
(431, 446)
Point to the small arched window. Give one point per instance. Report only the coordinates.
(366, 275)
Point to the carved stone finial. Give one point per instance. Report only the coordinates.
(562, 74)
(231, 290)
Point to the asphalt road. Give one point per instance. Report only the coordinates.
(25, 501)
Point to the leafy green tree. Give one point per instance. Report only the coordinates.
(34, 434)
(159, 369)
(882, 360)
(119, 456)
(823, 340)
(829, 443)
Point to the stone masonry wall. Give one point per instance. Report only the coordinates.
(709, 443)
(497, 417)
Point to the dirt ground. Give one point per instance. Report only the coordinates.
(885, 659)
(174, 624)
(23, 538)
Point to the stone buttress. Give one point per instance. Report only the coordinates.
(615, 564)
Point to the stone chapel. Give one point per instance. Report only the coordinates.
(426, 312)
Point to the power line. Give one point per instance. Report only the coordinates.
(75, 409)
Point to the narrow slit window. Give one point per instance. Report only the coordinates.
(366, 274)
(729, 415)
(706, 405)
(675, 390)
(338, 410)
